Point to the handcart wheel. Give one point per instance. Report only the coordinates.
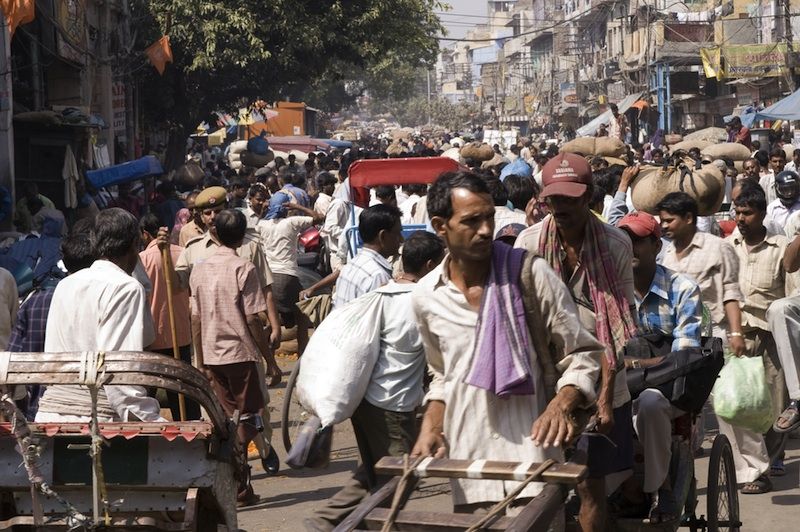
(723, 494)
(293, 414)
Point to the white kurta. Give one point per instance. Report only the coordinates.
(478, 424)
(102, 308)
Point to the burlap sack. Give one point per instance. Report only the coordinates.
(788, 149)
(254, 160)
(189, 176)
(730, 150)
(672, 138)
(394, 149)
(477, 151)
(687, 145)
(599, 146)
(494, 161)
(706, 185)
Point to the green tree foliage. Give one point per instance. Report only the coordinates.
(227, 54)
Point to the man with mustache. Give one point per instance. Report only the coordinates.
(594, 260)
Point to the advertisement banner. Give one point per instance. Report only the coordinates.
(118, 107)
(755, 60)
(569, 95)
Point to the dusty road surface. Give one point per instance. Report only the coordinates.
(292, 495)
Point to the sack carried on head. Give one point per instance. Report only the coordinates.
(727, 150)
(706, 185)
(477, 151)
(599, 146)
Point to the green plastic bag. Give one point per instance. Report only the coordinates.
(741, 395)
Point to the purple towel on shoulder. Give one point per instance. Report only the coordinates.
(501, 363)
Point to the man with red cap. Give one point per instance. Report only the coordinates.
(594, 260)
(669, 310)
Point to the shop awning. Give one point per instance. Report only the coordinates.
(786, 109)
(591, 128)
(125, 173)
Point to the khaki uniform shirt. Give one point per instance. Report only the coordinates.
(201, 248)
(714, 265)
(189, 232)
(762, 278)
(477, 423)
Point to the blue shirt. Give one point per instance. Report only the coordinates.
(672, 307)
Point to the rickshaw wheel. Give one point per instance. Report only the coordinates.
(723, 495)
(293, 414)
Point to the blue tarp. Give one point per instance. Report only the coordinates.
(338, 144)
(126, 172)
(786, 109)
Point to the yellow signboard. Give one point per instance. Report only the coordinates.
(754, 60)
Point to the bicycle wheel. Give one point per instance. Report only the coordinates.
(723, 494)
(293, 414)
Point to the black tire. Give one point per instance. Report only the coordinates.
(293, 415)
(723, 493)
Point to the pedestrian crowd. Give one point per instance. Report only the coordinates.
(510, 313)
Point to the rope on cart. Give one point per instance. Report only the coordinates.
(92, 376)
(30, 453)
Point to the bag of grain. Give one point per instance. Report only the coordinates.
(477, 151)
(730, 150)
(706, 185)
(254, 160)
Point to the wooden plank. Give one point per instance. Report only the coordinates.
(541, 511)
(567, 473)
(385, 493)
(431, 521)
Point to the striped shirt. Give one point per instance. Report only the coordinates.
(368, 271)
(672, 307)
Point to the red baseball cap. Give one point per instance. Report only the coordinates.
(640, 224)
(566, 174)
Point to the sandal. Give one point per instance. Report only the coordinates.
(789, 418)
(760, 485)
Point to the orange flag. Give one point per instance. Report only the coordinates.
(159, 53)
(18, 12)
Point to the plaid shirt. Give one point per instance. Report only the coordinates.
(366, 272)
(672, 307)
(27, 336)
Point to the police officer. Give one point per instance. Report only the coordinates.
(210, 202)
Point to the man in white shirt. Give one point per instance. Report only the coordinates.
(409, 206)
(279, 236)
(102, 308)
(385, 421)
(787, 188)
(326, 183)
(777, 161)
(503, 214)
(794, 164)
(563, 362)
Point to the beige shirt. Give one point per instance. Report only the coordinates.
(714, 265)
(478, 424)
(202, 248)
(619, 245)
(225, 290)
(9, 304)
(762, 278)
(279, 242)
(322, 204)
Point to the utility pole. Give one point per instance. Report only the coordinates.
(790, 62)
(429, 95)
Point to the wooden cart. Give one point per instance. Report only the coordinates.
(536, 515)
(153, 476)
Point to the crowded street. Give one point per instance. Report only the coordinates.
(496, 265)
